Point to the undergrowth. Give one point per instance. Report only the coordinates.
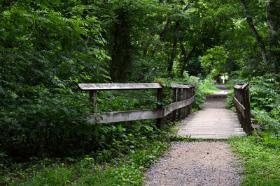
(101, 168)
(124, 171)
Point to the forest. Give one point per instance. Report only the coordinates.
(48, 47)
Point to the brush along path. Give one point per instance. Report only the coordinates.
(201, 163)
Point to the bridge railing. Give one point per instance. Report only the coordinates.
(182, 97)
(241, 101)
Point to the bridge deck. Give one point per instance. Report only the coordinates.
(214, 121)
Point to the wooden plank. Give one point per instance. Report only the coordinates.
(241, 86)
(92, 99)
(238, 86)
(239, 95)
(174, 99)
(246, 102)
(185, 96)
(239, 106)
(174, 85)
(177, 105)
(180, 99)
(188, 95)
(113, 117)
(118, 86)
(159, 106)
(246, 85)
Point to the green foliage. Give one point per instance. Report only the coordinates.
(126, 100)
(42, 46)
(264, 92)
(214, 60)
(202, 87)
(207, 86)
(268, 121)
(264, 100)
(45, 51)
(47, 125)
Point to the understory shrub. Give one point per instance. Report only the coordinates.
(52, 124)
(44, 53)
(56, 125)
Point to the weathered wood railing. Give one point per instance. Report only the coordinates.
(183, 97)
(241, 101)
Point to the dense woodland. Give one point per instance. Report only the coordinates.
(48, 47)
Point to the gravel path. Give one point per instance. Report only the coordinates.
(209, 163)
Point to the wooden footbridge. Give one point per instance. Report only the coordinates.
(214, 121)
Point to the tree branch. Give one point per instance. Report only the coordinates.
(254, 31)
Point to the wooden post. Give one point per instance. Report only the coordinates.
(92, 99)
(191, 92)
(242, 104)
(246, 102)
(159, 106)
(237, 94)
(179, 98)
(174, 99)
(185, 97)
(188, 95)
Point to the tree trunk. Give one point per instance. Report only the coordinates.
(254, 31)
(121, 48)
(165, 30)
(174, 48)
(186, 58)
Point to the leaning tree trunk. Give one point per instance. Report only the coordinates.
(186, 58)
(254, 31)
(174, 49)
(121, 48)
(165, 30)
(273, 20)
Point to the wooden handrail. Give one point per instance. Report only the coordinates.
(241, 101)
(181, 86)
(184, 97)
(241, 86)
(239, 106)
(118, 86)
